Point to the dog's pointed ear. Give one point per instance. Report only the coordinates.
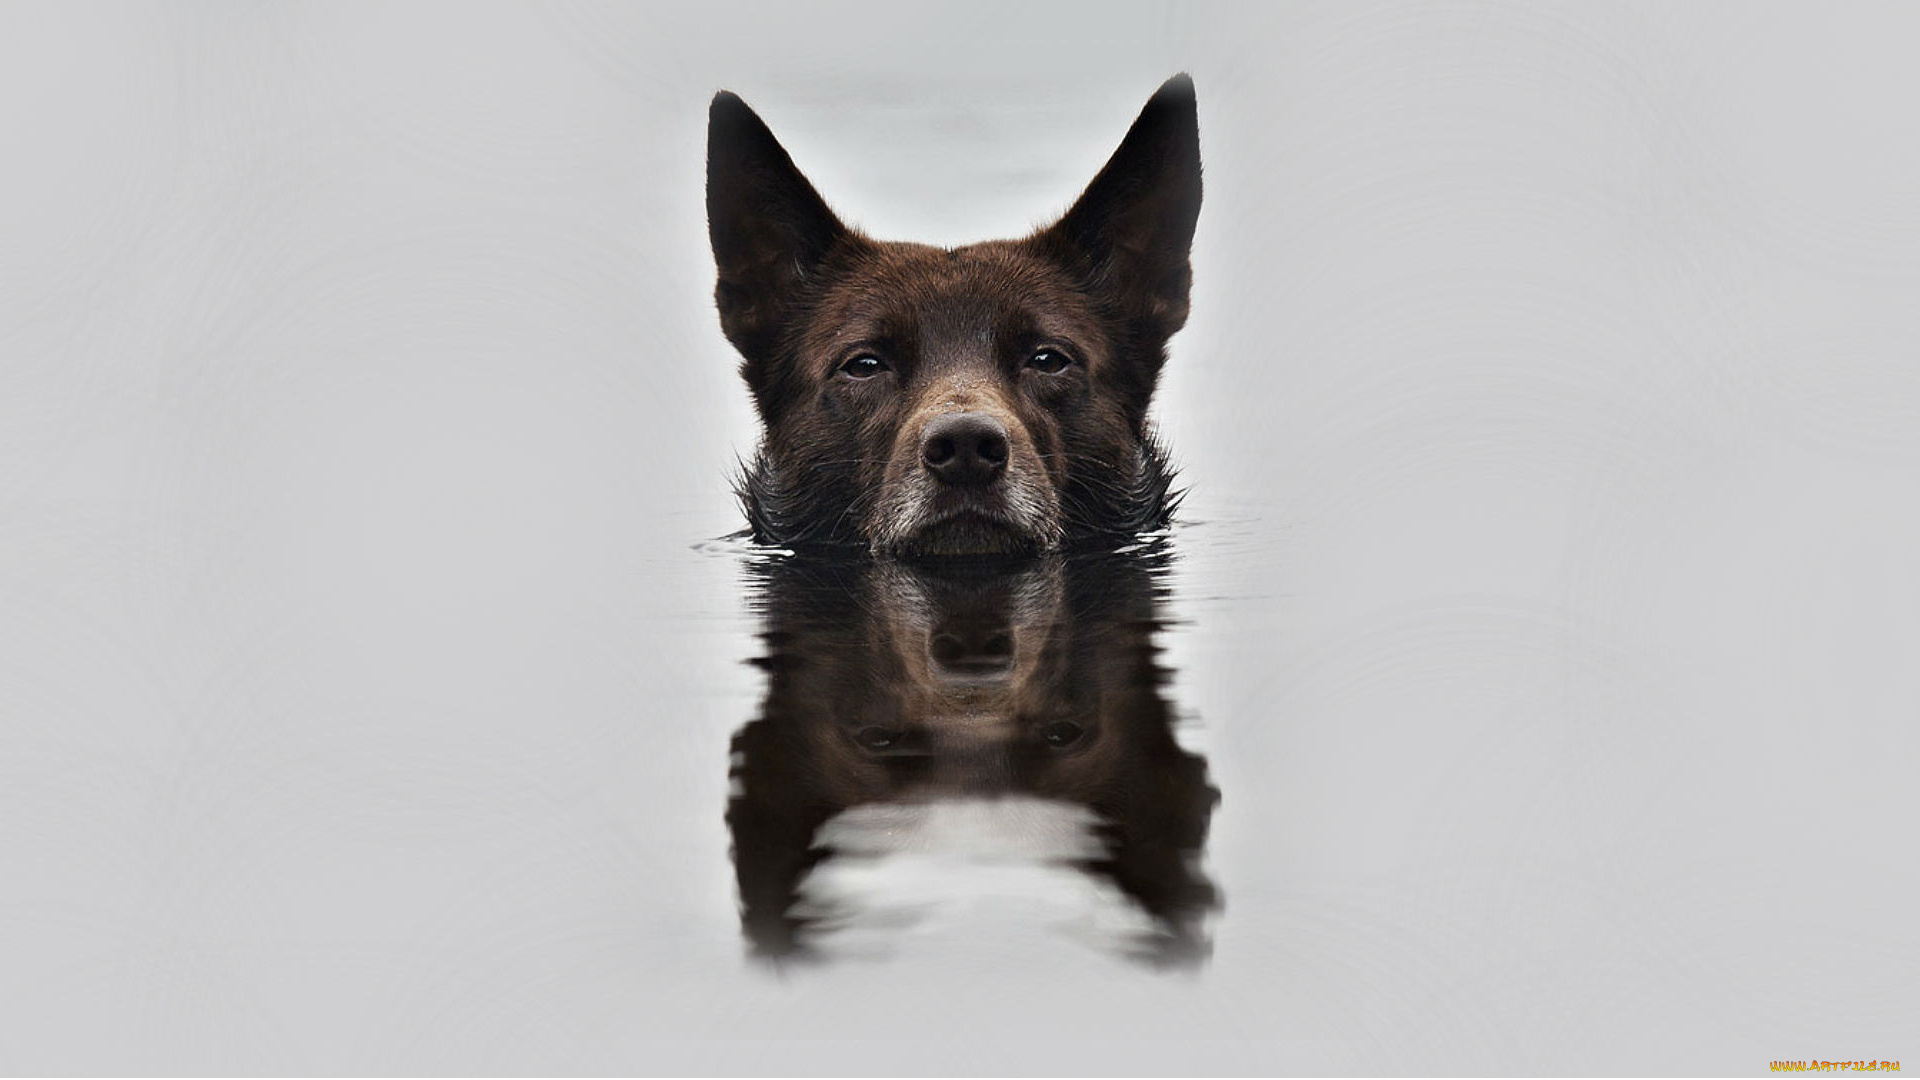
(1131, 231)
(770, 229)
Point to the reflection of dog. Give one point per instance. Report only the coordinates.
(987, 398)
(890, 684)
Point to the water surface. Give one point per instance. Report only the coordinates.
(951, 733)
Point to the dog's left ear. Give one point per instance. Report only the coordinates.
(1131, 230)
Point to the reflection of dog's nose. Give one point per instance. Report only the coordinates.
(965, 448)
(971, 647)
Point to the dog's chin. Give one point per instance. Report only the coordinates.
(969, 534)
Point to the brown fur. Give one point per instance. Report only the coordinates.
(971, 330)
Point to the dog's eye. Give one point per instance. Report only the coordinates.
(1049, 361)
(864, 366)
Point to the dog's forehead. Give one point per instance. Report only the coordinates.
(900, 288)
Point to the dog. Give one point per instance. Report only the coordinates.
(897, 686)
(989, 399)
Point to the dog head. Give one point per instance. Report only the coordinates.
(986, 399)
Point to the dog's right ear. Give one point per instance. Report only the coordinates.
(770, 229)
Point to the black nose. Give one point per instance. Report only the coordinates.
(965, 448)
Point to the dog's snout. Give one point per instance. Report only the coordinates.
(965, 448)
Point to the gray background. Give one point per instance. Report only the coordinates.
(1552, 410)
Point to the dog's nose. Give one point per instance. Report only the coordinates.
(965, 448)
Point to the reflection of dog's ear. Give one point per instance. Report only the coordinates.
(1157, 825)
(773, 815)
(1131, 230)
(769, 228)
